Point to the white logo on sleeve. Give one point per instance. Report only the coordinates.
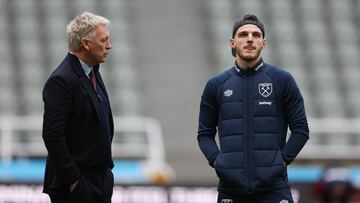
(228, 93)
(228, 201)
(265, 90)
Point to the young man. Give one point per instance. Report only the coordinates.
(252, 105)
(78, 123)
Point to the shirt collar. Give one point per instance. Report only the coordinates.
(86, 68)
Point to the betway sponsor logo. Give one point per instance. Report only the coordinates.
(265, 103)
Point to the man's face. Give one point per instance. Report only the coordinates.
(248, 42)
(99, 45)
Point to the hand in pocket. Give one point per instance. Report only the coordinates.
(80, 192)
(73, 186)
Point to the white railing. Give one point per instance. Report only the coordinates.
(333, 138)
(21, 136)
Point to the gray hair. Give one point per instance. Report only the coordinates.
(83, 26)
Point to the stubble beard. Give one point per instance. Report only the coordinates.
(248, 59)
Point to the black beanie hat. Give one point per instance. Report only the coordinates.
(247, 19)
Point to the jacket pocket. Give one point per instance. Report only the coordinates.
(229, 176)
(268, 175)
(81, 191)
(58, 188)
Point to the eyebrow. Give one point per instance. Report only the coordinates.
(249, 32)
(252, 32)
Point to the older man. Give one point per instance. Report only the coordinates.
(78, 123)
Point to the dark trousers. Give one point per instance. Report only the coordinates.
(92, 188)
(279, 196)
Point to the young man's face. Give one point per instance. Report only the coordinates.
(248, 42)
(99, 44)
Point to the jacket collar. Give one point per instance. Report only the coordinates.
(75, 62)
(251, 70)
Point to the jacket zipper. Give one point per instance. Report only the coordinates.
(249, 164)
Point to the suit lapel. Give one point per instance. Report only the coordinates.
(99, 80)
(76, 66)
(102, 86)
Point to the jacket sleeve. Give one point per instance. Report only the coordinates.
(57, 97)
(296, 118)
(208, 120)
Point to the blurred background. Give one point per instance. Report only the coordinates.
(164, 51)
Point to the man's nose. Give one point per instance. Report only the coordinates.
(108, 45)
(250, 38)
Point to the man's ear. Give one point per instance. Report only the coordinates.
(264, 43)
(232, 42)
(85, 43)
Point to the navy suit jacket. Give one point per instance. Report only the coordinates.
(76, 133)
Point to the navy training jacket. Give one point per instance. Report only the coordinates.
(252, 111)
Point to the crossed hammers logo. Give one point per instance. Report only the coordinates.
(265, 89)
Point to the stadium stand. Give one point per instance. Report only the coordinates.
(316, 40)
(7, 100)
(33, 42)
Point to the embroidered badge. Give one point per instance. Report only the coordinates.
(265, 89)
(228, 93)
